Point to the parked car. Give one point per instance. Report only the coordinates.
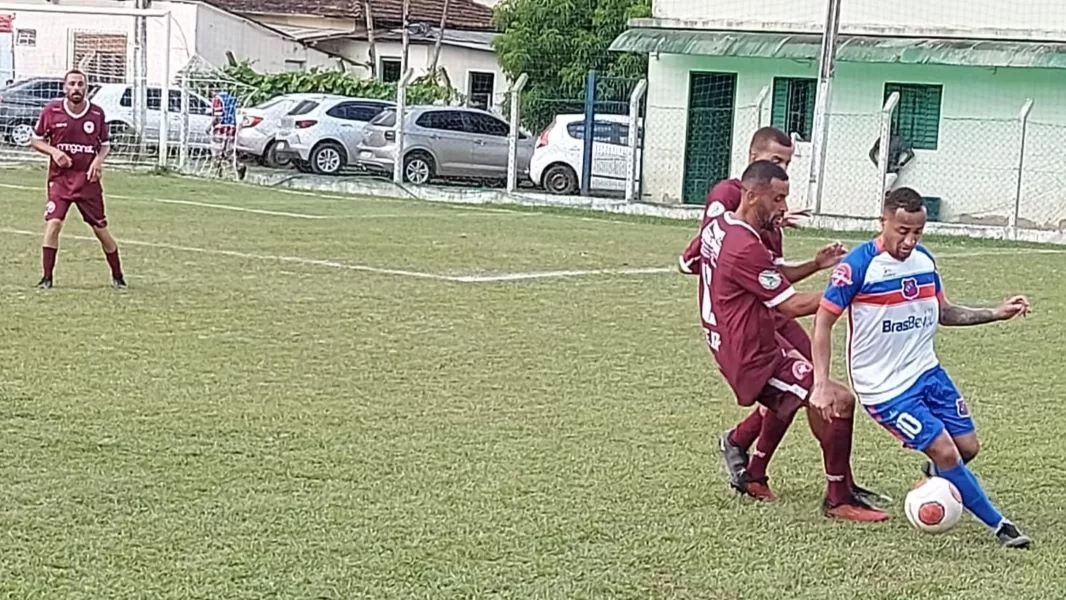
(557, 160)
(257, 136)
(446, 142)
(21, 103)
(321, 135)
(117, 101)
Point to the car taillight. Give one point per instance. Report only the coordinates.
(542, 140)
(252, 121)
(304, 124)
(390, 136)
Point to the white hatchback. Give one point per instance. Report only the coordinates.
(257, 135)
(322, 135)
(556, 162)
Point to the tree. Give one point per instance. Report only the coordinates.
(557, 42)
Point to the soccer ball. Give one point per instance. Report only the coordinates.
(934, 506)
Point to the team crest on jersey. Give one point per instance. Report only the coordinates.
(841, 275)
(910, 288)
(50, 207)
(962, 408)
(800, 369)
(89, 127)
(770, 280)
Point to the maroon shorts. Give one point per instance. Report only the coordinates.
(91, 209)
(787, 390)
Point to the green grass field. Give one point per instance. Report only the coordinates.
(270, 411)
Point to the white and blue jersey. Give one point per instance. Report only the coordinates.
(893, 311)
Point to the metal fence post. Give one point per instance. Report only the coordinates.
(590, 132)
(183, 125)
(401, 110)
(1012, 224)
(884, 144)
(512, 138)
(632, 170)
(822, 104)
(164, 119)
(760, 105)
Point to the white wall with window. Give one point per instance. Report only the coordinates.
(962, 123)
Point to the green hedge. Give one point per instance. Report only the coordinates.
(264, 86)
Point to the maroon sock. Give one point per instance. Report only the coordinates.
(114, 263)
(48, 259)
(746, 431)
(835, 439)
(773, 431)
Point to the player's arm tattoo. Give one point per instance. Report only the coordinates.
(960, 316)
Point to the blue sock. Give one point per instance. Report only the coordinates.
(973, 495)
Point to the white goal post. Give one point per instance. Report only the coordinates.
(134, 50)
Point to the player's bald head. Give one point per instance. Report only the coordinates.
(771, 144)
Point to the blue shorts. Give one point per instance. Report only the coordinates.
(917, 416)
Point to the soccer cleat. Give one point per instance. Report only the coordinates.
(758, 489)
(45, 283)
(856, 510)
(119, 282)
(1010, 536)
(869, 497)
(736, 458)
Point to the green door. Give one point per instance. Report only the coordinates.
(709, 139)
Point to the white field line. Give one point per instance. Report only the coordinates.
(278, 213)
(487, 278)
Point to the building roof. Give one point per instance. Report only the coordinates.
(462, 14)
(851, 48)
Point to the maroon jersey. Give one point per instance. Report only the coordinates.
(739, 287)
(79, 136)
(723, 197)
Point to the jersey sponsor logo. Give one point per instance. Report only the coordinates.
(962, 408)
(770, 280)
(89, 127)
(911, 323)
(71, 149)
(910, 288)
(841, 275)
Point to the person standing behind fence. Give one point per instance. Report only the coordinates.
(223, 127)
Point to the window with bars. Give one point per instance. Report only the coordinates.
(917, 117)
(793, 105)
(102, 56)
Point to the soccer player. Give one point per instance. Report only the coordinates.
(223, 128)
(761, 428)
(741, 292)
(895, 300)
(73, 133)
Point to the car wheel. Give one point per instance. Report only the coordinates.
(328, 158)
(271, 158)
(418, 168)
(21, 134)
(560, 180)
(302, 166)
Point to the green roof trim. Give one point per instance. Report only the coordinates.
(861, 49)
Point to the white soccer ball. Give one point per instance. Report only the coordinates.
(934, 506)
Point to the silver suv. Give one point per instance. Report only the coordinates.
(449, 142)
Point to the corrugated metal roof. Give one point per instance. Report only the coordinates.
(871, 49)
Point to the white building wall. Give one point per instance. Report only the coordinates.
(195, 29)
(911, 14)
(974, 169)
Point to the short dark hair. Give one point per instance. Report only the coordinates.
(904, 198)
(762, 172)
(765, 135)
(74, 72)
